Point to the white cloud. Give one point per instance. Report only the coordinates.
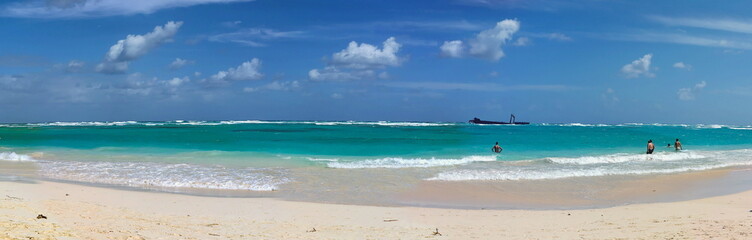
(687, 94)
(480, 87)
(336, 96)
(700, 85)
(705, 41)
(487, 44)
(134, 46)
(359, 61)
(231, 24)
(248, 70)
(112, 67)
(253, 36)
(275, 86)
(682, 65)
(73, 66)
(367, 56)
(729, 25)
(452, 49)
(638, 68)
(176, 82)
(334, 74)
(559, 37)
(522, 41)
(609, 97)
(136, 84)
(179, 63)
(95, 8)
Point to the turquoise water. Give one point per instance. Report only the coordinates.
(272, 155)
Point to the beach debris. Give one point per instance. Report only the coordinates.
(436, 233)
(750, 210)
(66, 194)
(214, 234)
(312, 230)
(390, 220)
(569, 214)
(9, 197)
(40, 216)
(212, 224)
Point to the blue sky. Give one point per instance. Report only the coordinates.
(590, 61)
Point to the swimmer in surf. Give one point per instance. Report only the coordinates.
(677, 145)
(651, 147)
(496, 148)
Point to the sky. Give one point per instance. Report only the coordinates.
(587, 61)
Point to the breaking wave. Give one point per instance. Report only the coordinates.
(606, 165)
(14, 157)
(145, 174)
(395, 162)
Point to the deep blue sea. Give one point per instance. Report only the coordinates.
(280, 155)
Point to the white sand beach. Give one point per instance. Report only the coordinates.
(85, 212)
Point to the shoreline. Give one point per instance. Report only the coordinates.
(558, 194)
(102, 213)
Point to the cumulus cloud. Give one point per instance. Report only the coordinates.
(248, 70)
(360, 61)
(367, 56)
(687, 94)
(638, 68)
(682, 65)
(179, 63)
(95, 8)
(254, 37)
(452, 49)
(134, 46)
(486, 44)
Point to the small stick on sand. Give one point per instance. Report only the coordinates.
(390, 220)
(312, 230)
(13, 198)
(436, 233)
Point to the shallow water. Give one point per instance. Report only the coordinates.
(301, 159)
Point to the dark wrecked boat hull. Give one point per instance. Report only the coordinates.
(497, 123)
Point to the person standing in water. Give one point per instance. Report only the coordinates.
(677, 145)
(496, 148)
(651, 147)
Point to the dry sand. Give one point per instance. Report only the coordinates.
(102, 213)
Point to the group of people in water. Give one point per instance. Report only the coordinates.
(651, 147)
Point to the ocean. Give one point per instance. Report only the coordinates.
(351, 157)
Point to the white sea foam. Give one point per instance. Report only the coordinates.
(14, 157)
(623, 157)
(394, 162)
(498, 174)
(322, 159)
(144, 174)
(602, 166)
